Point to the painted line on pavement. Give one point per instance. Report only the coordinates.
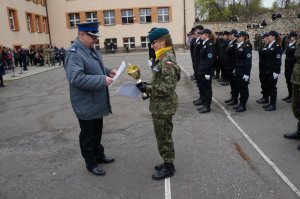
(167, 188)
(263, 155)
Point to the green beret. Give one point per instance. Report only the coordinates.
(157, 33)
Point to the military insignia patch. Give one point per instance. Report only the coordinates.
(278, 56)
(73, 49)
(156, 69)
(209, 55)
(249, 55)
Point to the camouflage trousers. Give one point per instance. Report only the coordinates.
(163, 127)
(296, 101)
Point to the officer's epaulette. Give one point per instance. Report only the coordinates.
(73, 49)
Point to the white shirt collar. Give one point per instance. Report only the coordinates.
(197, 39)
(290, 44)
(205, 41)
(239, 44)
(270, 44)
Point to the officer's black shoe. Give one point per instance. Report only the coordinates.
(266, 106)
(200, 107)
(298, 147)
(220, 80)
(293, 136)
(159, 166)
(242, 108)
(272, 107)
(262, 100)
(106, 159)
(227, 101)
(168, 170)
(196, 100)
(98, 171)
(204, 110)
(232, 102)
(289, 100)
(286, 98)
(236, 106)
(224, 83)
(198, 103)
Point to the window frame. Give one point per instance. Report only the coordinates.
(29, 22)
(37, 23)
(144, 42)
(74, 19)
(91, 18)
(129, 18)
(11, 19)
(110, 40)
(163, 15)
(109, 18)
(129, 42)
(145, 15)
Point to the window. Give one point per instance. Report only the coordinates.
(97, 45)
(129, 41)
(45, 24)
(74, 19)
(29, 23)
(37, 23)
(127, 16)
(145, 15)
(163, 14)
(144, 42)
(109, 17)
(91, 16)
(109, 41)
(11, 17)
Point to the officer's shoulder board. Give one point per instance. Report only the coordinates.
(73, 49)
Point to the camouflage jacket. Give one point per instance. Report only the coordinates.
(296, 71)
(166, 74)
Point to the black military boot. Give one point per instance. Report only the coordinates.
(225, 83)
(159, 166)
(295, 135)
(198, 102)
(286, 98)
(166, 171)
(266, 106)
(263, 100)
(236, 106)
(232, 102)
(205, 109)
(242, 108)
(289, 100)
(272, 107)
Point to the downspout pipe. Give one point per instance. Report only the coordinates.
(46, 4)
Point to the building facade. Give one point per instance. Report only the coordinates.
(23, 23)
(124, 23)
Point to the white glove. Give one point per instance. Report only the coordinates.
(275, 75)
(246, 77)
(207, 77)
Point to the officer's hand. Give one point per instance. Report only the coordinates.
(108, 81)
(246, 77)
(233, 71)
(141, 86)
(275, 75)
(112, 73)
(207, 77)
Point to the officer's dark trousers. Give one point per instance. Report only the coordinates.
(233, 86)
(205, 89)
(163, 128)
(90, 141)
(227, 73)
(194, 66)
(217, 67)
(271, 88)
(288, 74)
(296, 101)
(242, 88)
(263, 84)
(222, 63)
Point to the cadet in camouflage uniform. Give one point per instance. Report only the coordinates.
(296, 95)
(163, 98)
(52, 56)
(46, 55)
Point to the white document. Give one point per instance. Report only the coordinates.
(129, 90)
(121, 68)
(149, 62)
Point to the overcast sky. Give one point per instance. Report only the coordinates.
(267, 3)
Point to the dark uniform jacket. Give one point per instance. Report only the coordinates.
(230, 55)
(222, 49)
(196, 49)
(243, 60)
(290, 59)
(262, 54)
(192, 47)
(206, 56)
(273, 58)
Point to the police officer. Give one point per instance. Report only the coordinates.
(295, 79)
(88, 82)
(262, 54)
(194, 47)
(205, 70)
(272, 70)
(197, 46)
(163, 98)
(290, 60)
(229, 67)
(217, 64)
(222, 59)
(243, 64)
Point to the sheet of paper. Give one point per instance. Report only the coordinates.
(149, 62)
(121, 68)
(129, 90)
